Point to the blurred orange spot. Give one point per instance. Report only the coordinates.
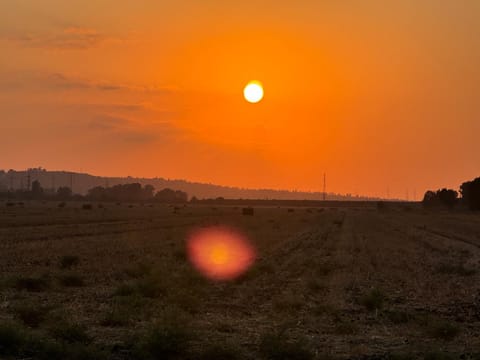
(220, 253)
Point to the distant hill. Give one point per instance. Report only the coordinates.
(81, 183)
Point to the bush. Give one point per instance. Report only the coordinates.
(398, 317)
(69, 261)
(374, 300)
(32, 284)
(438, 355)
(87, 207)
(460, 270)
(277, 347)
(149, 288)
(116, 318)
(138, 271)
(166, 341)
(124, 290)
(444, 331)
(71, 280)
(70, 333)
(382, 206)
(220, 352)
(12, 339)
(247, 211)
(30, 314)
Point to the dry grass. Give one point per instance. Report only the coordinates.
(121, 272)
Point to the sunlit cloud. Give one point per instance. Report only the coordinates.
(69, 38)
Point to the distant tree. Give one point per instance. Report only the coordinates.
(447, 197)
(97, 193)
(171, 196)
(122, 192)
(64, 192)
(470, 191)
(37, 190)
(430, 199)
(148, 191)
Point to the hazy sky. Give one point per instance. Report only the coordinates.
(378, 94)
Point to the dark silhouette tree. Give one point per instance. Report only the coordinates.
(64, 193)
(171, 196)
(470, 191)
(447, 197)
(430, 199)
(37, 190)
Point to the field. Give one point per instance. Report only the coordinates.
(113, 281)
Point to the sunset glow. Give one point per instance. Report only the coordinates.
(220, 253)
(368, 93)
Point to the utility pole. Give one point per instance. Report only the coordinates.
(324, 186)
(71, 182)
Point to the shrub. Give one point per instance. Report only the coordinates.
(149, 288)
(247, 211)
(220, 352)
(438, 355)
(374, 300)
(444, 330)
(345, 328)
(124, 290)
(87, 207)
(62, 205)
(278, 347)
(116, 318)
(71, 280)
(12, 339)
(398, 317)
(460, 270)
(382, 206)
(138, 271)
(69, 261)
(30, 314)
(70, 333)
(166, 341)
(32, 284)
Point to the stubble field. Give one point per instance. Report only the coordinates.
(114, 282)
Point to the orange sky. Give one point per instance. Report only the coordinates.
(377, 94)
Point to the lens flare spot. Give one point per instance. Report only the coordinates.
(220, 253)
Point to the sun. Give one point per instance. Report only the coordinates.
(253, 92)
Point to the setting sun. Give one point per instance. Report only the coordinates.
(253, 92)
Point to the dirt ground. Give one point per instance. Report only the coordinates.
(361, 283)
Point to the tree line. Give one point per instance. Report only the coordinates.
(469, 191)
(134, 192)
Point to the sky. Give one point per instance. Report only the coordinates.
(383, 96)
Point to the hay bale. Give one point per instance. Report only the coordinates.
(247, 211)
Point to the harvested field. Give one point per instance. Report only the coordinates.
(350, 283)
